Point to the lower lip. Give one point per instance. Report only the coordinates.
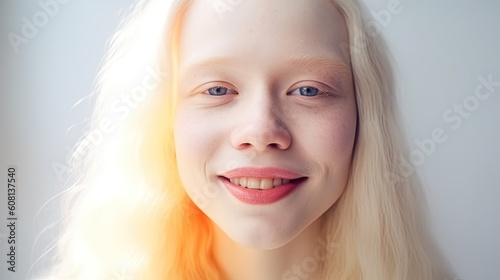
(260, 197)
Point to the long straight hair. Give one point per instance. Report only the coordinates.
(127, 213)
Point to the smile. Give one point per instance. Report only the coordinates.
(258, 196)
(261, 185)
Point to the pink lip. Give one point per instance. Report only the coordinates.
(260, 197)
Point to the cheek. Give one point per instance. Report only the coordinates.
(196, 137)
(187, 139)
(334, 138)
(334, 135)
(343, 134)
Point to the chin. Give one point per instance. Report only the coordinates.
(259, 238)
(262, 244)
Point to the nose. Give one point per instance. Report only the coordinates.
(261, 125)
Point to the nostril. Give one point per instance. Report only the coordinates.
(261, 136)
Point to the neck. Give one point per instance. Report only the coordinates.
(298, 259)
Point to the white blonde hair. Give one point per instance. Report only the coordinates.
(127, 210)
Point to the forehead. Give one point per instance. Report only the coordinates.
(262, 31)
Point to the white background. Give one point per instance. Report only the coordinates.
(441, 48)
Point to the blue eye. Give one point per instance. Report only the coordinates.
(308, 91)
(218, 91)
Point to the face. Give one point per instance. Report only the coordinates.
(266, 115)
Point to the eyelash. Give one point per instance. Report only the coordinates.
(320, 93)
(219, 87)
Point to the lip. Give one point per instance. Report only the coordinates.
(261, 197)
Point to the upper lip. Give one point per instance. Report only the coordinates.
(261, 172)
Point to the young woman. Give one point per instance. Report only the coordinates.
(241, 140)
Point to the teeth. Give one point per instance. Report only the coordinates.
(235, 181)
(243, 182)
(253, 183)
(266, 184)
(257, 183)
(277, 181)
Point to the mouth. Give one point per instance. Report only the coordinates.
(259, 191)
(261, 183)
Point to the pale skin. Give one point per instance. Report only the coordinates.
(266, 85)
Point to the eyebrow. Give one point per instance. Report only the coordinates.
(315, 60)
(212, 62)
(308, 60)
